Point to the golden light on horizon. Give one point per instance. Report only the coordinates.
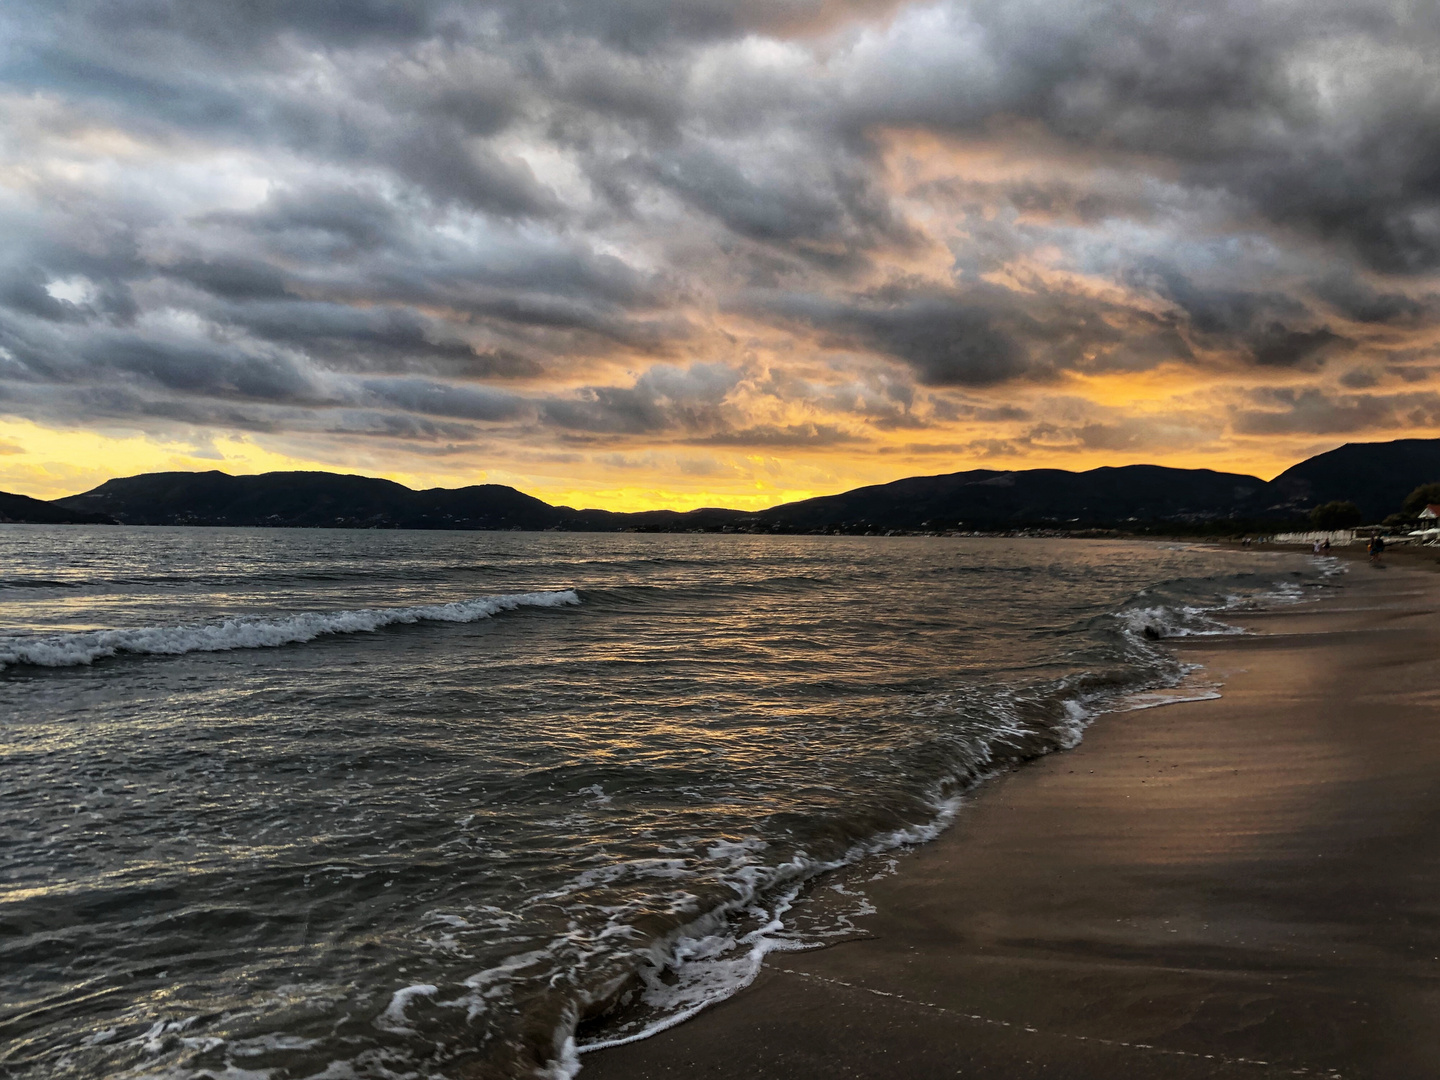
(51, 463)
(793, 257)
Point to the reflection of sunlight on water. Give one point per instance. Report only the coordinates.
(655, 774)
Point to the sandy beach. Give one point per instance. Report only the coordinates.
(1240, 887)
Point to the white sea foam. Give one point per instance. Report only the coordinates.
(393, 1018)
(253, 632)
(565, 1065)
(1176, 621)
(706, 962)
(1186, 691)
(723, 949)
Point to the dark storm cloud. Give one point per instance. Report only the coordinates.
(1285, 410)
(369, 338)
(438, 399)
(169, 364)
(663, 399)
(27, 294)
(439, 159)
(946, 340)
(1271, 328)
(1319, 116)
(640, 25)
(831, 216)
(216, 372)
(788, 437)
(233, 279)
(234, 25)
(979, 335)
(1359, 379)
(337, 219)
(382, 206)
(1353, 298)
(948, 344)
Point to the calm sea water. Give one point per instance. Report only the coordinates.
(289, 804)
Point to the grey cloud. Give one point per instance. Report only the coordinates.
(122, 403)
(365, 338)
(1275, 329)
(946, 341)
(952, 410)
(357, 245)
(1359, 379)
(233, 279)
(27, 294)
(1216, 311)
(1286, 410)
(982, 334)
(1412, 374)
(391, 425)
(448, 165)
(948, 344)
(791, 436)
(1279, 346)
(777, 212)
(468, 193)
(411, 410)
(832, 215)
(1231, 93)
(664, 399)
(628, 88)
(326, 217)
(235, 26)
(1354, 298)
(439, 399)
(1239, 97)
(192, 367)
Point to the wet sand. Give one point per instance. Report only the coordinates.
(1246, 887)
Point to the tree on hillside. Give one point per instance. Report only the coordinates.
(1336, 515)
(1420, 498)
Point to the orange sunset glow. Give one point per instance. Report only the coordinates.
(781, 257)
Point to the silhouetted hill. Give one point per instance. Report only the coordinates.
(986, 498)
(25, 510)
(307, 499)
(1375, 476)
(331, 500)
(979, 499)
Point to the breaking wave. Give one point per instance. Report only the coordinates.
(252, 632)
(597, 834)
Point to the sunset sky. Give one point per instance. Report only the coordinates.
(641, 253)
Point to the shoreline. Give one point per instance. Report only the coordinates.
(1158, 900)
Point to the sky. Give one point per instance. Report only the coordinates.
(644, 253)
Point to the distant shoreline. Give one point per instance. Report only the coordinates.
(1038, 532)
(1132, 499)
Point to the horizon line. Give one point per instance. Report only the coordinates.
(861, 487)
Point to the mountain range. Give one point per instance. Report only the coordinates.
(1375, 476)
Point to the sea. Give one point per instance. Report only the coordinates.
(280, 804)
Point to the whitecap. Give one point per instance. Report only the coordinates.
(254, 632)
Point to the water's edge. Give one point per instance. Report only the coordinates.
(1190, 682)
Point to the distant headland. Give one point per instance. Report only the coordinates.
(1375, 477)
